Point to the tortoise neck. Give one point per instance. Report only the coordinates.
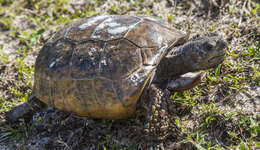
(172, 66)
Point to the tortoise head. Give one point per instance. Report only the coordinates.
(203, 52)
(199, 53)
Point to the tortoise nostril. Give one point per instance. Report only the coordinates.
(221, 44)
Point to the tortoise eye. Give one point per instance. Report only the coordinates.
(208, 46)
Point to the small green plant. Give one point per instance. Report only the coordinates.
(8, 133)
(6, 23)
(171, 19)
(256, 9)
(185, 98)
(114, 8)
(3, 59)
(214, 76)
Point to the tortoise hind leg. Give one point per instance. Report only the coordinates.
(25, 110)
(157, 121)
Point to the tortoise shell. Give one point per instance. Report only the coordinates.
(98, 66)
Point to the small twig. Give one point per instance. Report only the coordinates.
(5, 136)
(190, 9)
(64, 143)
(242, 134)
(215, 3)
(79, 130)
(215, 136)
(222, 3)
(210, 7)
(227, 97)
(249, 5)
(189, 26)
(194, 3)
(242, 12)
(174, 5)
(203, 28)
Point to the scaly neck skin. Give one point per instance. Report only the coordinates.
(172, 65)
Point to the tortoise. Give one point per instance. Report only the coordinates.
(108, 66)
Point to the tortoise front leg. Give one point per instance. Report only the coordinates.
(157, 120)
(25, 110)
(186, 81)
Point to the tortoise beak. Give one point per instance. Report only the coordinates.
(219, 51)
